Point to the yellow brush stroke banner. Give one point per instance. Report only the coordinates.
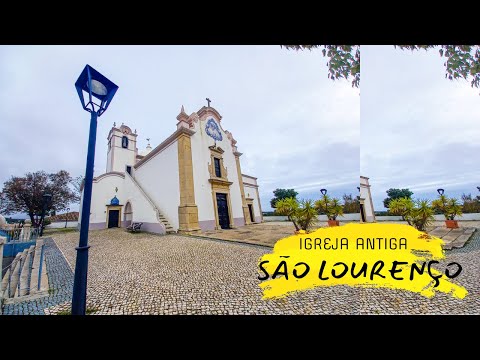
(393, 256)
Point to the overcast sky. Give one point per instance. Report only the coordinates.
(418, 130)
(296, 128)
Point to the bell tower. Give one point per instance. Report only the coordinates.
(122, 149)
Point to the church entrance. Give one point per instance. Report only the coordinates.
(222, 206)
(113, 217)
(250, 209)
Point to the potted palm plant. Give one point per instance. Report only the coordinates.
(454, 209)
(330, 207)
(449, 207)
(334, 210)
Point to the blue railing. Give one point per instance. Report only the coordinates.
(18, 239)
(14, 275)
(20, 234)
(40, 267)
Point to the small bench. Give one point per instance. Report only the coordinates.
(134, 227)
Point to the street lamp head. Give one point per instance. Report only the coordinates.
(478, 187)
(440, 191)
(358, 187)
(323, 191)
(97, 86)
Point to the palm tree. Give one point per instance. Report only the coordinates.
(306, 214)
(422, 214)
(288, 207)
(402, 207)
(441, 204)
(453, 208)
(335, 209)
(323, 204)
(418, 214)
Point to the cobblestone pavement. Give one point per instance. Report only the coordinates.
(267, 233)
(261, 234)
(383, 301)
(60, 277)
(147, 274)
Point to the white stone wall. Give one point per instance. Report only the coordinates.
(61, 224)
(344, 218)
(438, 217)
(250, 189)
(80, 210)
(142, 209)
(119, 156)
(103, 191)
(201, 159)
(109, 166)
(159, 178)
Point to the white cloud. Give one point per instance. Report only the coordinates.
(418, 130)
(295, 126)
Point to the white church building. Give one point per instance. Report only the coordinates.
(190, 182)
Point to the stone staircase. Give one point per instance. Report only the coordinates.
(168, 228)
(22, 277)
(160, 217)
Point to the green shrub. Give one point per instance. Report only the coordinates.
(449, 207)
(418, 213)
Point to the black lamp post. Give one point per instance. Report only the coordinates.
(45, 203)
(478, 187)
(66, 217)
(440, 192)
(324, 193)
(90, 85)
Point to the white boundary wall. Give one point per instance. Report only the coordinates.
(464, 217)
(345, 217)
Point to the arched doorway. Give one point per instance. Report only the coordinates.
(127, 215)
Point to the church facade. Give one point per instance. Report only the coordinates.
(190, 182)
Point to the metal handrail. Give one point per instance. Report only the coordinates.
(2, 291)
(40, 267)
(10, 275)
(19, 275)
(150, 201)
(6, 267)
(17, 235)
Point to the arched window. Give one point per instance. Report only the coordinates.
(125, 142)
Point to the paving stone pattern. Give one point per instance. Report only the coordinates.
(60, 277)
(148, 274)
(383, 301)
